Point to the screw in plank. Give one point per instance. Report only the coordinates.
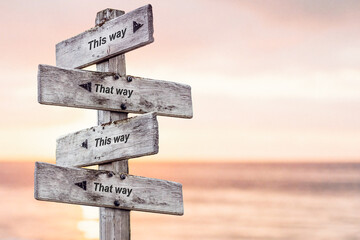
(123, 106)
(122, 176)
(116, 76)
(129, 78)
(109, 174)
(116, 203)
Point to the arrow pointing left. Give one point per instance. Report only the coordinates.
(86, 86)
(81, 185)
(84, 144)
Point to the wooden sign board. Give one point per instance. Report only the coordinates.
(114, 37)
(109, 91)
(107, 189)
(123, 139)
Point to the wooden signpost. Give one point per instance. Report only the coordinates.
(107, 39)
(117, 137)
(110, 91)
(123, 139)
(107, 189)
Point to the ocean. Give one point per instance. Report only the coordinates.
(221, 201)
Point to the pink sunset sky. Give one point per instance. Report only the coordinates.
(271, 80)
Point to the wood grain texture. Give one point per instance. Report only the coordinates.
(112, 92)
(102, 189)
(132, 30)
(123, 139)
(106, 15)
(114, 223)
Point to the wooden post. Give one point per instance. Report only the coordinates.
(114, 223)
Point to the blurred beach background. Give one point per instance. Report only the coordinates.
(273, 149)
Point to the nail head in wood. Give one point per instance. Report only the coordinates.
(116, 76)
(116, 203)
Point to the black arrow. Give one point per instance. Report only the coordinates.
(84, 144)
(81, 185)
(136, 26)
(86, 86)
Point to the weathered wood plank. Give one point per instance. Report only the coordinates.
(110, 91)
(106, 189)
(117, 36)
(123, 139)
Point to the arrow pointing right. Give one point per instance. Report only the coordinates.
(136, 26)
(68, 52)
